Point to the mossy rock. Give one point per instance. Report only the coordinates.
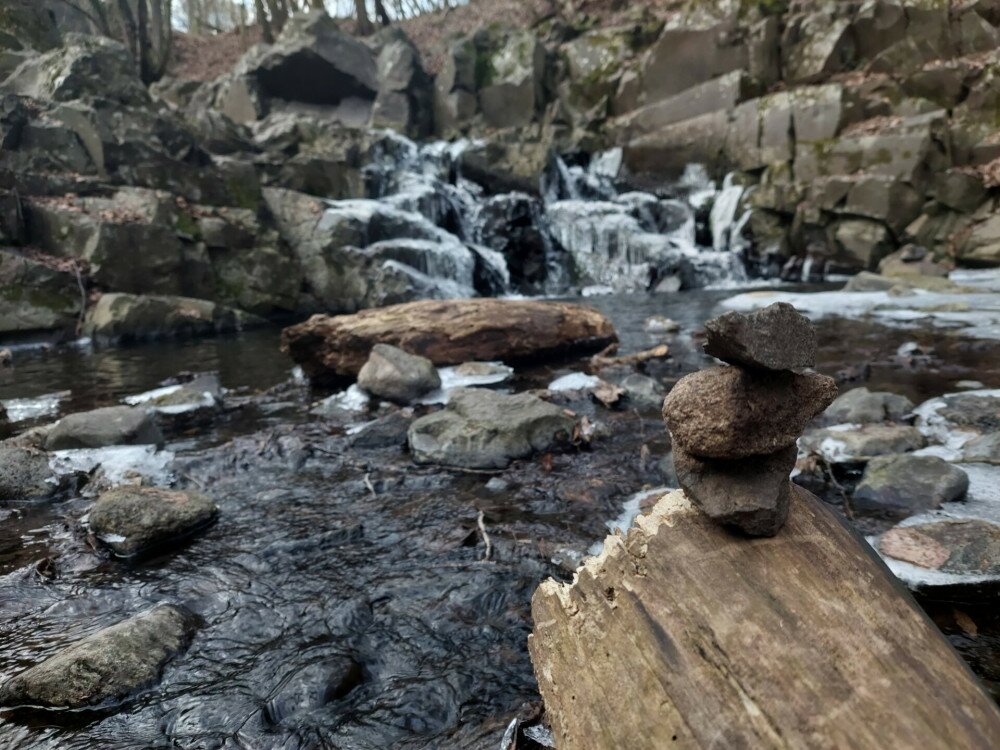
(26, 25)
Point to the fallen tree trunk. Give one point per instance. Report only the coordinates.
(447, 332)
(683, 635)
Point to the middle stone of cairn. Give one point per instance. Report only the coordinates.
(734, 428)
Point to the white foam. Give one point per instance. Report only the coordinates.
(22, 409)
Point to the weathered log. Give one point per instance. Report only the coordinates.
(683, 635)
(447, 332)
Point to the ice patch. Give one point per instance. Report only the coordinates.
(454, 377)
(630, 509)
(23, 409)
(575, 381)
(117, 463)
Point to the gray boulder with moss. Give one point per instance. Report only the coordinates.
(107, 667)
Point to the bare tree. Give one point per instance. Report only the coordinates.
(364, 22)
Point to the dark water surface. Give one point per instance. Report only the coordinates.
(345, 594)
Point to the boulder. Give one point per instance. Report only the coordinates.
(110, 425)
(983, 449)
(313, 63)
(668, 151)
(108, 667)
(84, 67)
(26, 25)
(863, 242)
(776, 337)
(864, 443)
(965, 547)
(816, 45)
(136, 520)
(690, 52)
(895, 487)
(482, 429)
(980, 245)
(37, 295)
(396, 375)
(885, 199)
(446, 332)
(25, 473)
(405, 95)
(862, 406)
(507, 163)
(126, 318)
(510, 74)
(508, 224)
(912, 260)
(722, 93)
(731, 413)
(959, 190)
(751, 495)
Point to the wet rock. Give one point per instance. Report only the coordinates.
(332, 349)
(902, 284)
(405, 91)
(730, 413)
(510, 76)
(134, 520)
(983, 449)
(386, 432)
(106, 667)
(314, 686)
(644, 391)
(124, 318)
(912, 260)
(199, 393)
(862, 406)
(482, 429)
(776, 337)
(25, 473)
(899, 486)
(111, 425)
(846, 446)
(751, 494)
(961, 547)
(980, 412)
(36, 297)
(399, 376)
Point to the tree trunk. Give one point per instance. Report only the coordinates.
(267, 33)
(383, 17)
(364, 23)
(684, 635)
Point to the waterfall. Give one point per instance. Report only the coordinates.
(582, 231)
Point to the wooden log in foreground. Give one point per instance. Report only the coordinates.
(683, 635)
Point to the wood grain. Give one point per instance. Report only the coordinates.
(684, 635)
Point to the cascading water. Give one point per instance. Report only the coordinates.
(581, 234)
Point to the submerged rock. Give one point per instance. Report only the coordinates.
(730, 413)
(862, 406)
(106, 667)
(899, 486)
(966, 547)
(776, 337)
(111, 425)
(447, 332)
(643, 390)
(482, 429)
(133, 520)
(314, 686)
(751, 494)
(396, 375)
(25, 473)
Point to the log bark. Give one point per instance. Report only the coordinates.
(448, 332)
(683, 635)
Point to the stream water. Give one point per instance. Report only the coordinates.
(345, 598)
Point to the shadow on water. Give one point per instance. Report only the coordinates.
(345, 592)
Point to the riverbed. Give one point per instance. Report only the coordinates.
(348, 597)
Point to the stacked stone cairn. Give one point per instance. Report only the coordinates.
(734, 428)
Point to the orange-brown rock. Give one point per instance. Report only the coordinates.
(448, 332)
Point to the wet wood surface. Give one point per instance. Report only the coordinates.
(448, 332)
(684, 635)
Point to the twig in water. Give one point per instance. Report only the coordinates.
(83, 298)
(370, 486)
(480, 521)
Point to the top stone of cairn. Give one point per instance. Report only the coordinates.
(776, 337)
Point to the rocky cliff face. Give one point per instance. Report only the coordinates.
(852, 128)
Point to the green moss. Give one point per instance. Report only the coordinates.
(187, 225)
(486, 73)
(243, 193)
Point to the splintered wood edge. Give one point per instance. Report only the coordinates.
(669, 509)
